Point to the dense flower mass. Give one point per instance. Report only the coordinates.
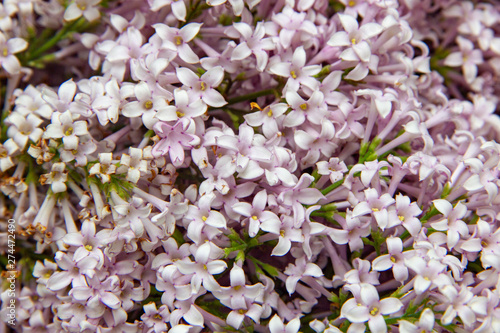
(250, 166)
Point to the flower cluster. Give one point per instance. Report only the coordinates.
(252, 166)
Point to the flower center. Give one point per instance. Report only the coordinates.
(255, 217)
(148, 105)
(393, 259)
(374, 311)
(5, 52)
(180, 114)
(293, 74)
(303, 106)
(203, 86)
(204, 218)
(88, 247)
(178, 40)
(375, 209)
(242, 311)
(351, 3)
(69, 131)
(353, 41)
(237, 288)
(157, 316)
(401, 218)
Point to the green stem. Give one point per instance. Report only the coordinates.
(61, 34)
(251, 96)
(332, 187)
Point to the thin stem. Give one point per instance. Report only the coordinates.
(251, 96)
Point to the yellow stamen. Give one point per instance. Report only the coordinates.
(401, 218)
(254, 105)
(393, 259)
(293, 74)
(375, 209)
(351, 3)
(203, 85)
(303, 106)
(178, 40)
(88, 247)
(353, 41)
(148, 105)
(204, 218)
(374, 311)
(69, 131)
(255, 217)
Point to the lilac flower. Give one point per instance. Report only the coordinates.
(424, 325)
(72, 271)
(296, 70)
(369, 308)
(63, 126)
(203, 268)
(296, 272)
(238, 295)
(24, 128)
(173, 140)
(87, 8)
(313, 110)
(133, 164)
(334, 168)
(104, 168)
(467, 57)
(451, 223)
(148, 105)
(317, 143)
(252, 41)
(184, 107)
(8, 48)
(267, 118)
(276, 325)
(294, 28)
(98, 295)
(256, 213)
(461, 303)
(176, 40)
(203, 87)
(353, 232)
(429, 274)
(88, 243)
(395, 259)
(178, 7)
(375, 205)
(155, 318)
(355, 37)
(407, 213)
(57, 178)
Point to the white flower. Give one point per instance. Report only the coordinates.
(57, 177)
(104, 168)
(64, 127)
(368, 308)
(7, 50)
(87, 8)
(133, 165)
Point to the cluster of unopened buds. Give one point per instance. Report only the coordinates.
(251, 165)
